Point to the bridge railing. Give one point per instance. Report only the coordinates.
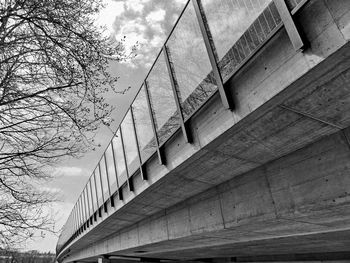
(210, 42)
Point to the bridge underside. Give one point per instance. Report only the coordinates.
(316, 246)
(275, 185)
(296, 207)
(298, 204)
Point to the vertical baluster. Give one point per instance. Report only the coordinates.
(103, 198)
(225, 95)
(184, 127)
(289, 24)
(92, 199)
(159, 150)
(142, 171)
(108, 183)
(98, 206)
(120, 194)
(130, 184)
(88, 201)
(86, 208)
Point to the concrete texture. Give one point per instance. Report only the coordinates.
(299, 202)
(265, 179)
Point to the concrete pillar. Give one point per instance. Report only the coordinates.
(223, 260)
(103, 260)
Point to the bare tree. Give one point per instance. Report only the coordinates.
(54, 64)
(33, 256)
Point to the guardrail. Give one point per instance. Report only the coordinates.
(210, 42)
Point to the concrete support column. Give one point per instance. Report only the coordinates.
(223, 260)
(103, 260)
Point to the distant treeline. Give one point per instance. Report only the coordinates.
(7, 256)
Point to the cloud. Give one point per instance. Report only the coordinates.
(147, 24)
(156, 16)
(108, 14)
(180, 3)
(68, 171)
(51, 190)
(135, 5)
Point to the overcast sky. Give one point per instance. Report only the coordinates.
(147, 22)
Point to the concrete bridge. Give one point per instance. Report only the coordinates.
(236, 148)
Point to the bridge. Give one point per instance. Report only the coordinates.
(236, 147)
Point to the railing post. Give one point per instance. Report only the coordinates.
(108, 183)
(83, 207)
(98, 205)
(72, 228)
(289, 24)
(225, 95)
(130, 184)
(87, 214)
(102, 193)
(92, 199)
(142, 171)
(78, 216)
(120, 194)
(174, 85)
(84, 210)
(82, 214)
(81, 220)
(159, 151)
(88, 201)
(71, 224)
(74, 218)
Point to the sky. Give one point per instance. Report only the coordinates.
(147, 24)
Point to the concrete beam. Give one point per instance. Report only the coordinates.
(294, 203)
